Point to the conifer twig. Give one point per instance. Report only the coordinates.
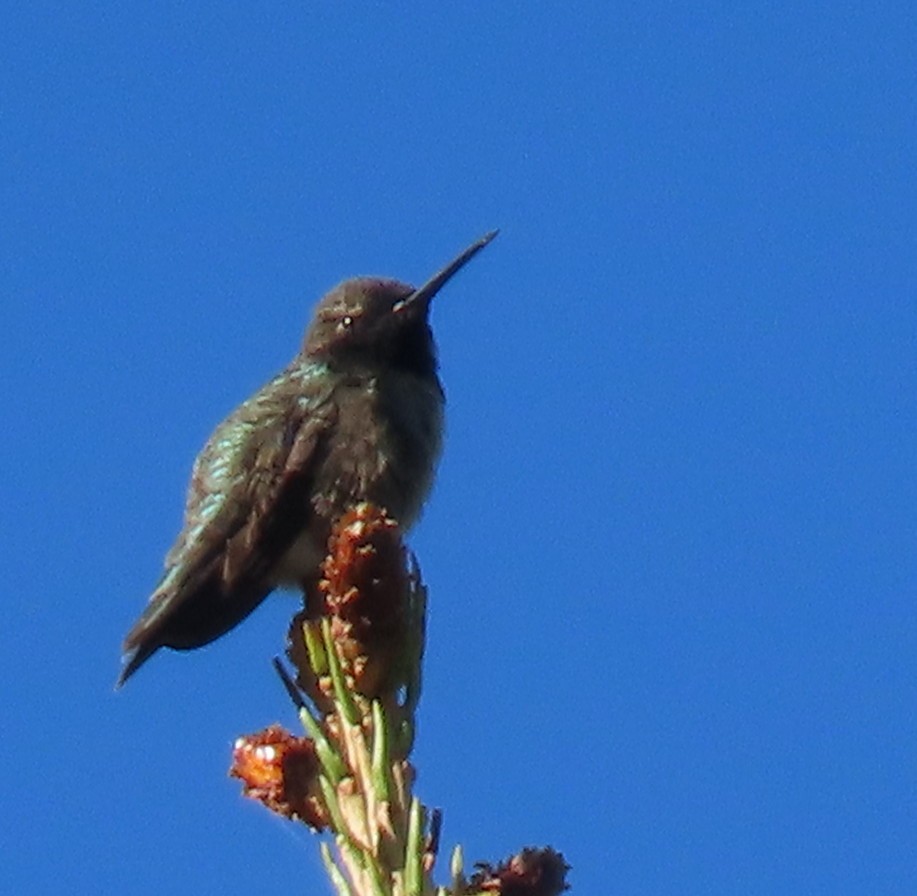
(356, 649)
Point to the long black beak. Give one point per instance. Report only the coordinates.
(426, 292)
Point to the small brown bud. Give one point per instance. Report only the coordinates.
(280, 771)
(532, 872)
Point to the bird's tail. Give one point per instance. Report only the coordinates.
(145, 637)
(134, 658)
(185, 615)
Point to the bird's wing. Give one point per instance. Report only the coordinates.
(248, 499)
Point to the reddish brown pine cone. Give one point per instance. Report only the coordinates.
(368, 593)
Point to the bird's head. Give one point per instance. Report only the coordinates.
(370, 319)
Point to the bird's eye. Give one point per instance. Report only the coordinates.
(346, 322)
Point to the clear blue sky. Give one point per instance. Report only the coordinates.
(671, 550)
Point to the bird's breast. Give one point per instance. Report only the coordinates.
(385, 444)
(382, 447)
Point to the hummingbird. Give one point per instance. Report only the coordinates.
(357, 415)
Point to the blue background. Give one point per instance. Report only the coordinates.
(671, 547)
